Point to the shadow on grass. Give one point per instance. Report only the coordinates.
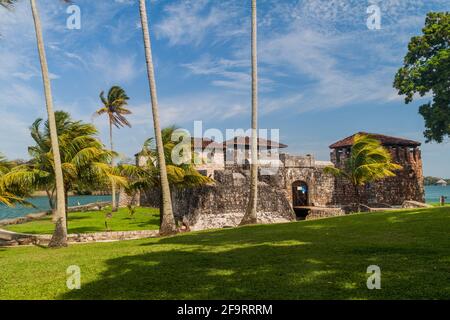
(251, 263)
(92, 229)
(242, 273)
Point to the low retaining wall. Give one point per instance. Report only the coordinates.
(112, 236)
(320, 213)
(415, 204)
(27, 218)
(96, 206)
(8, 238)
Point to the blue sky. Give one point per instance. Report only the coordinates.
(323, 74)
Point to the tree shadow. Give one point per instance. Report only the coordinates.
(246, 263)
(248, 235)
(141, 224)
(242, 273)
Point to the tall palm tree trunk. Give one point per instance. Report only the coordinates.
(113, 185)
(358, 197)
(250, 216)
(168, 221)
(59, 238)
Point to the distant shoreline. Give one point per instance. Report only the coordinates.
(71, 194)
(41, 203)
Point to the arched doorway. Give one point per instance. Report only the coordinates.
(300, 199)
(300, 194)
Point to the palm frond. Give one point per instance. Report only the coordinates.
(369, 161)
(180, 175)
(8, 4)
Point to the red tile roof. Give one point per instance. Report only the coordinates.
(245, 141)
(205, 142)
(385, 141)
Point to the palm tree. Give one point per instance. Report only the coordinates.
(4, 165)
(179, 175)
(59, 238)
(11, 194)
(168, 226)
(6, 197)
(147, 176)
(369, 161)
(114, 106)
(250, 216)
(85, 161)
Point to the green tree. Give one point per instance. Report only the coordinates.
(85, 161)
(59, 238)
(250, 216)
(369, 161)
(430, 181)
(168, 225)
(426, 70)
(5, 165)
(10, 196)
(180, 175)
(114, 106)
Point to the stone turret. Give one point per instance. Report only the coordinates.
(406, 185)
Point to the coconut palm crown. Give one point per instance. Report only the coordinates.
(114, 106)
(147, 176)
(85, 161)
(369, 161)
(9, 196)
(180, 175)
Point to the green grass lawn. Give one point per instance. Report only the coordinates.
(437, 204)
(94, 221)
(322, 259)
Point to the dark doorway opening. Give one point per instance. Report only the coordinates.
(300, 194)
(301, 214)
(300, 199)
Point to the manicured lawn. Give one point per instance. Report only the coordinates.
(322, 259)
(437, 204)
(94, 221)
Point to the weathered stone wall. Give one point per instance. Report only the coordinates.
(8, 238)
(126, 199)
(213, 160)
(406, 185)
(223, 204)
(305, 169)
(320, 213)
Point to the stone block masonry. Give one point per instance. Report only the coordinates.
(407, 185)
(298, 189)
(8, 238)
(223, 204)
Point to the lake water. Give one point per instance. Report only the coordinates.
(42, 205)
(433, 193)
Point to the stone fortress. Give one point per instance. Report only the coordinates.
(295, 188)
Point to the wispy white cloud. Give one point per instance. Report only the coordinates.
(187, 108)
(314, 55)
(233, 74)
(189, 22)
(118, 67)
(311, 55)
(15, 134)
